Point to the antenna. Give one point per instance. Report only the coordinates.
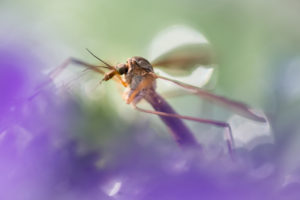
(108, 65)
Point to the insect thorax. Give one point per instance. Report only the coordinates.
(138, 68)
(139, 77)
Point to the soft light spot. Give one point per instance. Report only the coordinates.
(115, 188)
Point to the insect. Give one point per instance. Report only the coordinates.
(139, 80)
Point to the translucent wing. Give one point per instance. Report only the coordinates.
(184, 59)
(179, 50)
(58, 70)
(238, 107)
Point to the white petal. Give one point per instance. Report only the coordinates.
(173, 37)
(248, 133)
(199, 77)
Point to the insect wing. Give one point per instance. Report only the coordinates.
(185, 59)
(54, 74)
(179, 50)
(238, 107)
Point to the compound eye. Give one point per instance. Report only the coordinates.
(122, 69)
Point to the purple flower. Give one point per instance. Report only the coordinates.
(39, 158)
(42, 159)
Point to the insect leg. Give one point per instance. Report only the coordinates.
(53, 74)
(58, 70)
(238, 107)
(94, 68)
(228, 134)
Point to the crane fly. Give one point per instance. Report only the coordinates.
(138, 78)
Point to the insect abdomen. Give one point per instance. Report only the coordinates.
(179, 130)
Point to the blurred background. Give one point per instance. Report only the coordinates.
(79, 140)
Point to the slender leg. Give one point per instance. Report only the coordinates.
(57, 71)
(228, 135)
(69, 83)
(69, 61)
(238, 107)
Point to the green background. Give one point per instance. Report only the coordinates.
(252, 41)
